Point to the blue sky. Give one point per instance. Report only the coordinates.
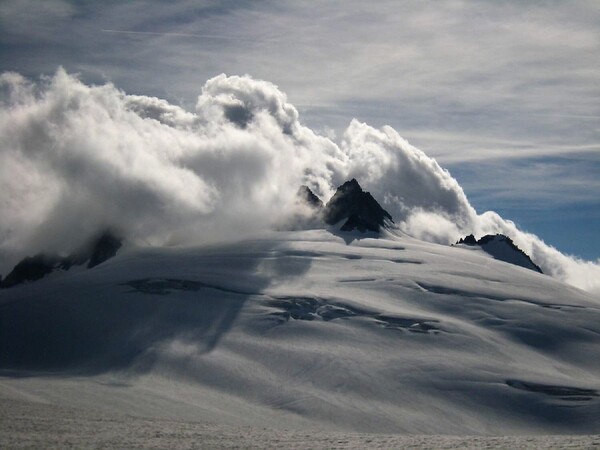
(506, 95)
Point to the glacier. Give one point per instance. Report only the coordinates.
(325, 330)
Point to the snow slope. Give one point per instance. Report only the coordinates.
(310, 330)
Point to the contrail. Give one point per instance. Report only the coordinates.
(576, 116)
(156, 33)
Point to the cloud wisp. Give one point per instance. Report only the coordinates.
(157, 33)
(75, 158)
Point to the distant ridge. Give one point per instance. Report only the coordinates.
(501, 247)
(36, 267)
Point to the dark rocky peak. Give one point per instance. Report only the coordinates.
(468, 240)
(351, 185)
(32, 268)
(103, 247)
(307, 196)
(358, 208)
(97, 250)
(503, 248)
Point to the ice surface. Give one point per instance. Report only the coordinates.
(306, 331)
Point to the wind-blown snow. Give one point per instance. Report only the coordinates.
(75, 159)
(306, 329)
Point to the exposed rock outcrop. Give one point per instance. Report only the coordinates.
(468, 240)
(358, 208)
(308, 197)
(33, 268)
(502, 247)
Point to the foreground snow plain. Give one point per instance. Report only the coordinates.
(320, 333)
(34, 425)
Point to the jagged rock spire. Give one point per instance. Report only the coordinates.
(308, 197)
(359, 208)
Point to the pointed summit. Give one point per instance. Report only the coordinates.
(307, 196)
(352, 184)
(100, 248)
(359, 208)
(105, 247)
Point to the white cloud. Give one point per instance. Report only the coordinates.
(75, 158)
(402, 175)
(428, 202)
(79, 157)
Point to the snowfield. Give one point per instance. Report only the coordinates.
(35, 425)
(318, 337)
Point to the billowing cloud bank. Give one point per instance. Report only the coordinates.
(77, 158)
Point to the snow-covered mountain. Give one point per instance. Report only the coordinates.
(502, 248)
(310, 329)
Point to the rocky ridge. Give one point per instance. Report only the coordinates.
(33, 268)
(503, 248)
